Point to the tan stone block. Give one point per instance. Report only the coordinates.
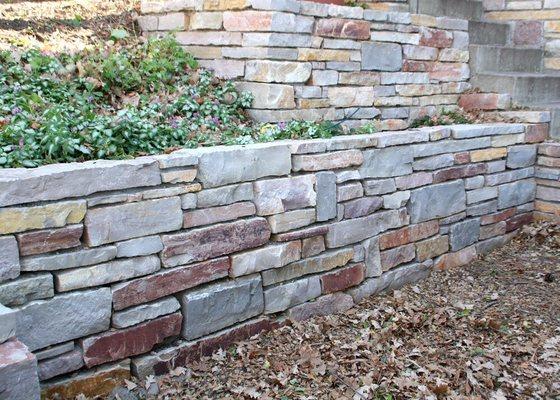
(488, 154)
(552, 63)
(178, 176)
(313, 103)
(524, 15)
(247, 21)
(206, 20)
(424, 20)
(552, 26)
(362, 78)
(547, 207)
(269, 95)
(323, 55)
(54, 215)
(277, 71)
(204, 52)
(431, 248)
(220, 5)
(351, 96)
(172, 22)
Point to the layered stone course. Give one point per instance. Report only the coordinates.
(314, 61)
(150, 276)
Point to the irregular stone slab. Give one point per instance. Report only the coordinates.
(386, 139)
(9, 258)
(269, 95)
(408, 234)
(271, 256)
(79, 258)
(464, 234)
(64, 317)
(325, 305)
(509, 176)
(115, 345)
(456, 259)
(362, 207)
(521, 156)
(27, 288)
(396, 200)
(152, 287)
(450, 146)
(59, 181)
(391, 280)
(273, 196)
(324, 161)
(349, 191)
(326, 195)
(386, 162)
(433, 162)
(471, 131)
(7, 323)
(225, 195)
(62, 364)
(277, 71)
(343, 28)
(396, 256)
(312, 246)
(53, 215)
(102, 274)
(372, 257)
(291, 220)
(45, 241)
(516, 193)
(219, 305)
(427, 202)
(144, 312)
(462, 171)
(18, 372)
(321, 263)
(139, 247)
(343, 279)
(432, 247)
(382, 56)
(53, 351)
(96, 382)
(482, 194)
(282, 297)
(355, 230)
(127, 221)
(219, 166)
(481, 209)
(208, 216)
(518, 221)
(214, 241)
(379, 186)
(301, 234)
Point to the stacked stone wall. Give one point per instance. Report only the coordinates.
(312, 61)
(547, 203)
(142, 265)
(536, 23)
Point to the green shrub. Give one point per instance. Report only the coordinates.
(445, 118)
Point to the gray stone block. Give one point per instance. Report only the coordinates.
(387, 162)
(484, 208)
(225, 195)
(509, 176)
(9, 258)
(220, 305)
(271, 256)
(54, 351)
(42, 323)
(372, 257)
(396, 200)
(135, 315)
(474, 182)
(379, 186)
(282, 297)
(482, 194)
(516, 193)
(433, 162)
(7, 323)
(18, 372)
(450, 146)
(464, 234)
(273, 196)
(521, 156)
(73, 259)
(326, 195)
(437, 201)
(127, 221)
(470, 131)
(381, 56)
(291, 220)
(139, 247)
(219, 166)
(62, 364)
(27, 288)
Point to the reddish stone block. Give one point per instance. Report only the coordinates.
(536, 133)
(152, 287)
(397, 256)
(186, 354)
(435, 38)
(247, 21)
(479, 101)
(324, 305)
(49, 240)
(518, 221)
(413, 180)
(343, 28)
(116, 345)
(343, 278)
(462, 158)
(417, 66)
(449, 72)
(550, 149)
(459, 172)
(493, 230)
(408, 234)
(18, 372)
(301, 234)
(456, 259)
(528, 33)
(497, 217)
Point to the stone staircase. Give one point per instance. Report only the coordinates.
(497, 64)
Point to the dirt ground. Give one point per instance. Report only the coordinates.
(63, 25)
(490, 330)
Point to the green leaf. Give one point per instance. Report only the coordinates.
(119, 34)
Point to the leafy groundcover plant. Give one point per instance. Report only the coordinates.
(122, 100)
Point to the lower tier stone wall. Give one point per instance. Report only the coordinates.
(113, 267)
(547, 203)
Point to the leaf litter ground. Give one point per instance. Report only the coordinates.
(489, 330)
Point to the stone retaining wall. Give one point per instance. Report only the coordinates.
(142, 265)
(311, 61)
(547, 204)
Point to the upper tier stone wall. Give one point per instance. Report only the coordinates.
(305, 60)
(142, 265)
(547, 203)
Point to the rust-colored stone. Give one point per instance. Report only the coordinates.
(459, 172)
(436, 38)
(343, 28)
(432, 247)
(497, 217)
(397, 256)
(152, 287)
(408, 234)
(49, 240)
(456, 259)
(343, 279)
(116, 345)
(536, 133)
(301, 234)
(462, 158)
(518, 221)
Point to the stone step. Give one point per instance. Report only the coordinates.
(525, 88)
(554, 108)
(487, 58)
(470, 10)
(481, 32)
